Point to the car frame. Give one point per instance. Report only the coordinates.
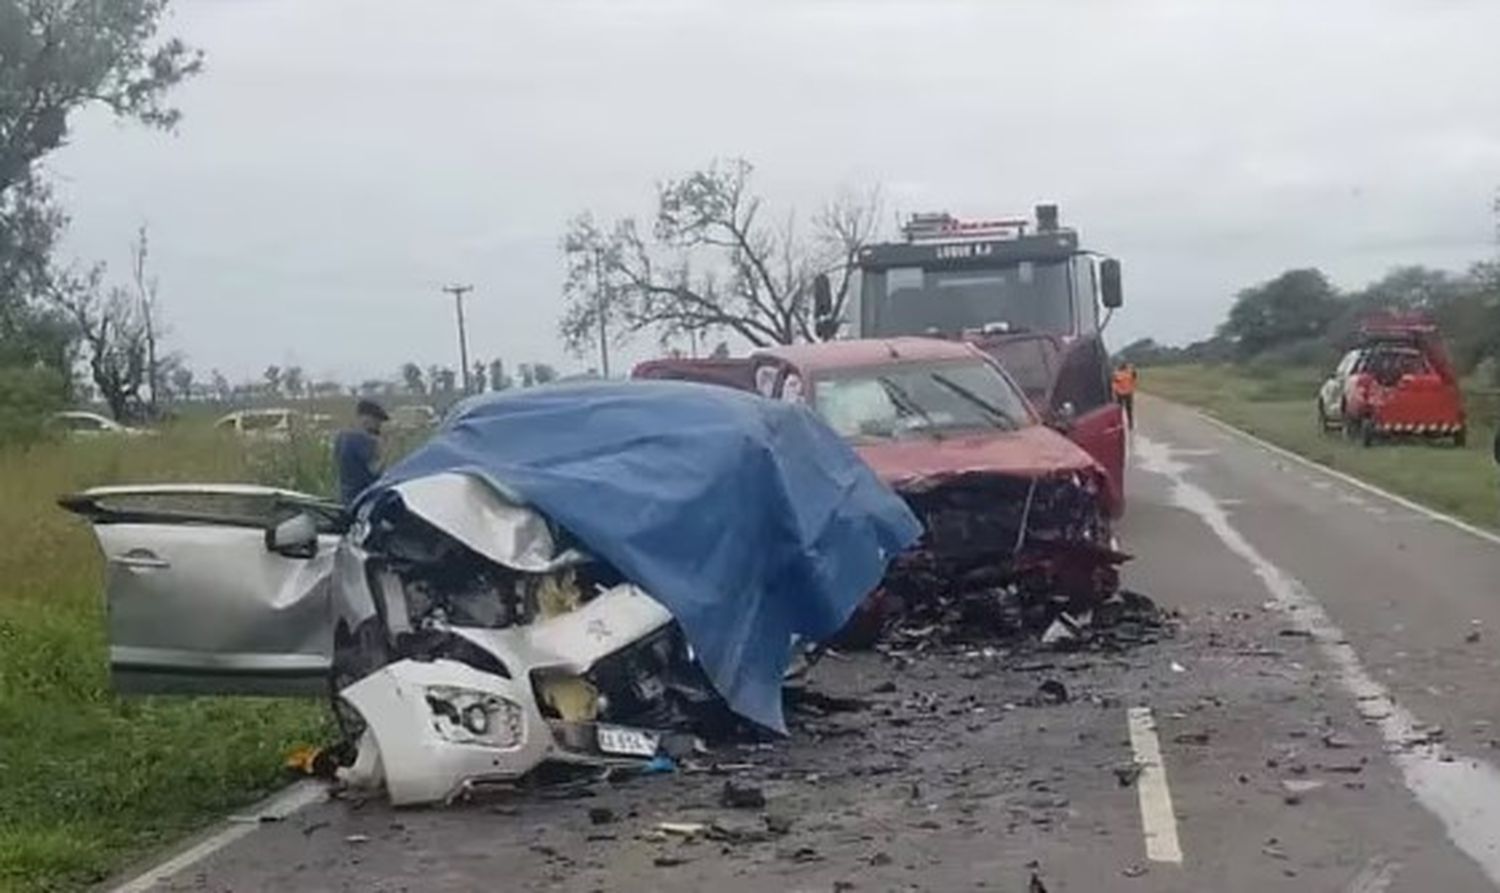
(243, 589)
(286, 422)
(102, 426)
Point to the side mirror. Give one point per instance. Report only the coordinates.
(296, 537)
(823, 322)
(1064, 416)
(1109, 284)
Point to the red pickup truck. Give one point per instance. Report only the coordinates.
(1007, 502)
(1397, 382)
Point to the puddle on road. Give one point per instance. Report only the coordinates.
(1463, 793)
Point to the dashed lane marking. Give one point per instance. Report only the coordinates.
(1158, 820)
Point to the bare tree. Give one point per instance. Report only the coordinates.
(845, 225)
(713, 261)
(113, 333)
(182, 382)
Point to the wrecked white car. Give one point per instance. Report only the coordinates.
(499, 603)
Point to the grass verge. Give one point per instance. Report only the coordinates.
(90, 781)
(1280, 406)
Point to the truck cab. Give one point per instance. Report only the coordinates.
(1022, 290)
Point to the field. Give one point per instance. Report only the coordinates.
(1279, 406)
(90, 781)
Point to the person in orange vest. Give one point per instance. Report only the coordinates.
(1123, 384)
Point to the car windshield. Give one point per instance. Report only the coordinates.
(1388, 365)
(918, 399)
(916, 301)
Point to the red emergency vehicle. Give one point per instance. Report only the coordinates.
(1397, 382)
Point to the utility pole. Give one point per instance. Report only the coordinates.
(458, 292)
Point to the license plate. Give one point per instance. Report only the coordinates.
(627, 742)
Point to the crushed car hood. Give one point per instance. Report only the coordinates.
(748, 519)
(1032, 452)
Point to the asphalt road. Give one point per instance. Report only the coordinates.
(1323, 713)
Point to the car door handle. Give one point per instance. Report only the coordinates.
(139, 561)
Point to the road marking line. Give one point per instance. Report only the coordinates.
(1375, 877)
(1158, 820)
(1463, 794)
(1350, 479)
(279, 806)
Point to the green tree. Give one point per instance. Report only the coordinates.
(1296, 306)
(411, 378)
(57, 57)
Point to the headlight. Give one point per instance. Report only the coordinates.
(467, 716)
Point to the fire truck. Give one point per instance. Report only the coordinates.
(1023, 290)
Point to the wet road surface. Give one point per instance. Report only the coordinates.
(1323, 715)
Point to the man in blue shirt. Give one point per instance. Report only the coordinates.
(356, 451)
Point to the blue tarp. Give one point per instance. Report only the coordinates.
(749, 519)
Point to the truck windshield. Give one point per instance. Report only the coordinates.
(886, 402)
(917, 301)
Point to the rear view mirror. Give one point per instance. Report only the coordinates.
(823, 322)
(1109, 284)
(296, 537)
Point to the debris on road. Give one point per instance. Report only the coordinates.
(601, 815)
(1127, 774)
(1050, 692)
(742, 796)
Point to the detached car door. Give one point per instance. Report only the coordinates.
(204, 593)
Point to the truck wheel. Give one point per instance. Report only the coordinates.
(1366, 429)
(1461, 438)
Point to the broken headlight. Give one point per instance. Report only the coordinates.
(467, 716)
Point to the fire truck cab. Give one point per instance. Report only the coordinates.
(1022, 290)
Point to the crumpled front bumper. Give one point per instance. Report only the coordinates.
(422, 755)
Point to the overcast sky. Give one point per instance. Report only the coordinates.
(339, 160)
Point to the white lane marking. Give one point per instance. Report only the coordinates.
(1375, 877)
(1158, 820)
(1464, 794)
(278, 806)
(1352, 481)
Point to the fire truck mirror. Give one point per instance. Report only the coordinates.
(823, 322)
(1109, 284)
(822, 297)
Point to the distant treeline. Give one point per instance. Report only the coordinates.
(1300, 319)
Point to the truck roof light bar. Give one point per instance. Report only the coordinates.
(944, 227)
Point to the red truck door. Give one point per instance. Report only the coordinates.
(1098, 421)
